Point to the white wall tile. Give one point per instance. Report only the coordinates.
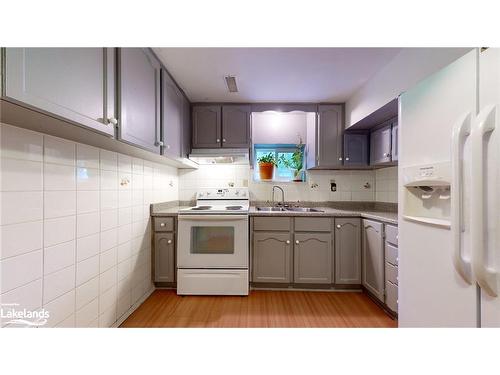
(124, 251)
(87, 224)
(14, 240)
(87, 201)
(124, 198)
(87, 292)
(87, 179)
(58, 257)
(69, 322)
(59, 151)
(87, 314)
(87, 247)
(19, 207)
(59, 230)
(17, 143)
(58, 283)
(21, 175)
(109, 219)
(87, 269)
(124, 163)
(87, 156)
(124, 215)
(107, 318)
(60, 308)
(59, 203)
(28, 296)
(107, 279)
(10, 275)
(108, 160)
(109, 199)
(109, 180)
(107, 259)
(109, 239)
(59, 177)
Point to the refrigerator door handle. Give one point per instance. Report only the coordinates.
(460, 132)
(485, 276)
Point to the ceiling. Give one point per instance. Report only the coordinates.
(274, 74)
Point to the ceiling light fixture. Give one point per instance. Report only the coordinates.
(231, 83)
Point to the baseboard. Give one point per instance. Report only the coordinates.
(132, 309)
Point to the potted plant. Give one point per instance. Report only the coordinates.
(295, 162)
(266, 166)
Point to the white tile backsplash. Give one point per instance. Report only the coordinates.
(54, 194)
(386, 180)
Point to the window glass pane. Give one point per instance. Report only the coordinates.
(212, 240)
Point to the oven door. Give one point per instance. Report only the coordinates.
(212, 241)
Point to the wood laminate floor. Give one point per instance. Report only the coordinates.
(262, 308)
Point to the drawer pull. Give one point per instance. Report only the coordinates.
(287, 242)
(297, 242)
(339, 226)
(162, 224)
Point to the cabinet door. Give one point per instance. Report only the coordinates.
(394, 141)
(312, 257)
(164, 257)
(271, 257)
(186, 128)
(207, 126)
(172, 112)
(356, 149)
(380, 145)
(348, 251)
(329, 135)
(236, 126)
(139, 98)
(72, 83)
(373, 258)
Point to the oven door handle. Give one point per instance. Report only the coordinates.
(211, 217)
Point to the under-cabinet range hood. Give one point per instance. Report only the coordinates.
(220, 156)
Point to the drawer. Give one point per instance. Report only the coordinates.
(271, 223)
(391, 296)
(391, 234)
(391, 273)
(164, 224)
(391, 254)
(313, 224)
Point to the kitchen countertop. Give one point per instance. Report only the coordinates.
(387, 217)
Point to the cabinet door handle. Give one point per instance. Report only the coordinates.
(159, 143)
(223, 139)
(162, 224)
(218, 139)
(169, 241)
(339, 226)
(340, 159)
(297, 242)
(347, 159)
(287, 242)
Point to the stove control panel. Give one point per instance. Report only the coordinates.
(223, 193)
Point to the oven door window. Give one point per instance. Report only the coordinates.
(212, 240)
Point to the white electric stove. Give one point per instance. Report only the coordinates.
(212, 244)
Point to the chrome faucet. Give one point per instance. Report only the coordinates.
(282, 195)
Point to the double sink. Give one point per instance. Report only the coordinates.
(293, 209)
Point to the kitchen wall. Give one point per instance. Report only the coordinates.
(350, 184)
(75, 227)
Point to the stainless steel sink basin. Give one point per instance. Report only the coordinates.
(270, 209)
(303, 209)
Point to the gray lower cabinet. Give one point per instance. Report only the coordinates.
(373, 258)
(139, 98)
(348, 251)
(236, 126)
(272, 258)
(172, 116)
(207, 126)
(380, 145)
(164, 257)
(313, 255)
(391, 267)
(356, 149)
(77, 84)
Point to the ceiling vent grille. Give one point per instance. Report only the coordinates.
(231, 83)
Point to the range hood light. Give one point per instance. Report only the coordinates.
(231, 83)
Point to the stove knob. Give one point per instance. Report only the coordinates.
(200, 194)
(237, 192)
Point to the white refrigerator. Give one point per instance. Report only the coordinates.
(449, 194)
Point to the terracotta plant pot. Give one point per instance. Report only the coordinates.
(266, 171)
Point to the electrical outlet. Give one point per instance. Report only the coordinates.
(333, 186)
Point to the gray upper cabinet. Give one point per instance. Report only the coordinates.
(207, 126)
(380, 145)
(186, 128)
(172, 116)
(327, 137)
(312, 258)
(347, 251)
(356, 149)
(164, 257)
(394, 141)
(373, 258)
(139, 82)
(236, 126)
(271, 261)
(77, 84)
